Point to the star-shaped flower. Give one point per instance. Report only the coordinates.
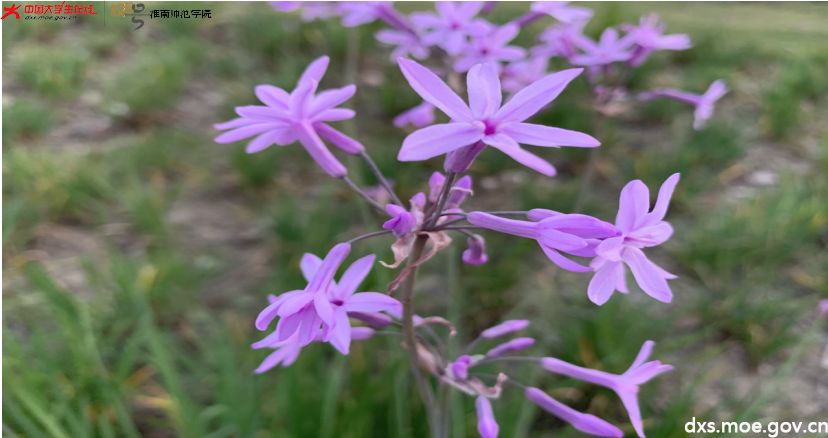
(561, 11)
(451, 26)
(649, 36)
(704, 103)
(299, 115)
(490, 48)
(485, 120)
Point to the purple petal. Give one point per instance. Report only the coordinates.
(372, 318)
(323, 307)
(287, 326)
(484, 91)
(563, 262)
(235, 123)
(595, 377)
(295, 304)
(643, 355)
(437, 140)
(309, 265)
(354, 275)
(263, 141)
(302, 98)
(505, 328)
(579, 225)
(309, 327)
(534, 97)
(630, 400)
(274, 97)
(276, 358)
(538, 135)
(435, 184)
(610, 249)
(584, 422)
(371, 302)
(317, 150)
(316, 69)
(647, 277)
(486, 424)
(603, 283)
(361, 333)
(271, 311)
(246, 132)
(508, 146)
(263, 113)
(539, 214)
(559, 240)
(325, 273)
(331, 98)
(634, 204)
(335, 115)
(341, 339)
(512, 346)
(340, 140)
(503, 225)
(665, 193)
(434, 90)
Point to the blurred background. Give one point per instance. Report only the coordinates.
(137, 252)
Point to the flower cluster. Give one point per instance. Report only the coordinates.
(458, 36)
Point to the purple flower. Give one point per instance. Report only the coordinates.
(486, 424)
(505, 328)
(476, 254)
(310, 10)
(519, 75)
(405, 43)
(299, 115)
(460, 367)
(324, 302)
(288, 350)
(359, 13)
(626, 385)
(561, 11)
(571, 233)
(512, 346)
(648, 37)
(639, 229)
(420, 116)
(484, 120)
(490, 48)
(435, 186)
(584, 422)
(822, 307)
(343, 300)
(454, 22)
(704, 103)
(561, 40)
(401, 223)
(608, 50)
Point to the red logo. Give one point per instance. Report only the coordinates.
(12, 10)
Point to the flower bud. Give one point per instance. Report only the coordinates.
(460, 367)
(458, 192)
(435, 185)
(476, 254)
(511, 347)
(361, 333)
(486, 424)
(505, 328)
(375, 319)
(584, 422)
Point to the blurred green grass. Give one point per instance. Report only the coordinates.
(155, 341)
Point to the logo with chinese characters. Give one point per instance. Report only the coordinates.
(48, 12)
(128, 9)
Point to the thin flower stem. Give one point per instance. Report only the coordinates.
(505, 359)
(453, 221)
(508, 380)
(369, 235)
(426, 391)
(465, 232)
(447, 185)
(453, 214)
(434, 337)
(363, 194)
(382, 180)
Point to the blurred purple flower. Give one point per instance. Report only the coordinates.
(648, 37)
(452, 24)
(359, 13)
(298, 115)
(476, 254)
(484, 120)
(512, 346)
(561, 11)
(571, 233)
(460, 367)
(490, 48)
(486, 424)
(401, 222)
(520, 74)
(420, 116)
(406, 44)
(288, 350)
(608, 50)
(505, 328)
(561, 40)
(822, 307)
(310, 10)
(704, 103)
(639, 229)
(625, 385)
(584, 422)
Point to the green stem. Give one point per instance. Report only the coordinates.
(426, 392)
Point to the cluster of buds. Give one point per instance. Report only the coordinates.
(461, 38)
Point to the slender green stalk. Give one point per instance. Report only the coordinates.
(426, 392)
